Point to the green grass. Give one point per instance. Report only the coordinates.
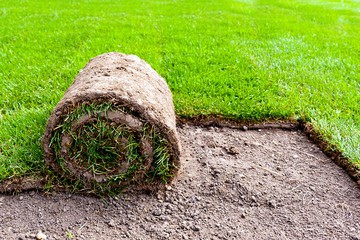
(248, 60)
(96, 146)
(113, 156)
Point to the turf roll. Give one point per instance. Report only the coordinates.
(115, 127)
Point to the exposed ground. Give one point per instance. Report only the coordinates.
(268, 184)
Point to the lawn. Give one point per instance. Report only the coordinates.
(247, 60)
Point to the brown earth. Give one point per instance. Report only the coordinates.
(268, 184)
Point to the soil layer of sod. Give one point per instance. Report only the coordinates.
(234, 184)
(114, 128)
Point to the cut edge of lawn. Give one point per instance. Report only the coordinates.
(41, 181)
(331, 150)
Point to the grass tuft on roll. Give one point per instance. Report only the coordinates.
(108, 156)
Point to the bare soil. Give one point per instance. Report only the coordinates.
(234, 184)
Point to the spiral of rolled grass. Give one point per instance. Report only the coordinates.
(114, 128)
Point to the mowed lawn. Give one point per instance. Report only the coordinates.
(247, 60)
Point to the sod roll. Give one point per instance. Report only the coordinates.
(115, 127)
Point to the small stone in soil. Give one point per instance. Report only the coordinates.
(272, 204)
(233, 150)
(40, 236)
(111, 223)
(256, 144)
(195, 228)
(156, 212)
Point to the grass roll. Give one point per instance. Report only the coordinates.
(115, 127)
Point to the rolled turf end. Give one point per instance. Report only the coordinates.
(115, 128)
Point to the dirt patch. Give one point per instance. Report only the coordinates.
(234, 184)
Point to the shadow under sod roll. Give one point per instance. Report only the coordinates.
(115, 127)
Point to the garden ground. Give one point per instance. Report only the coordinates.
(234, 184)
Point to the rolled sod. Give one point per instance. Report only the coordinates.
(115, 127)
